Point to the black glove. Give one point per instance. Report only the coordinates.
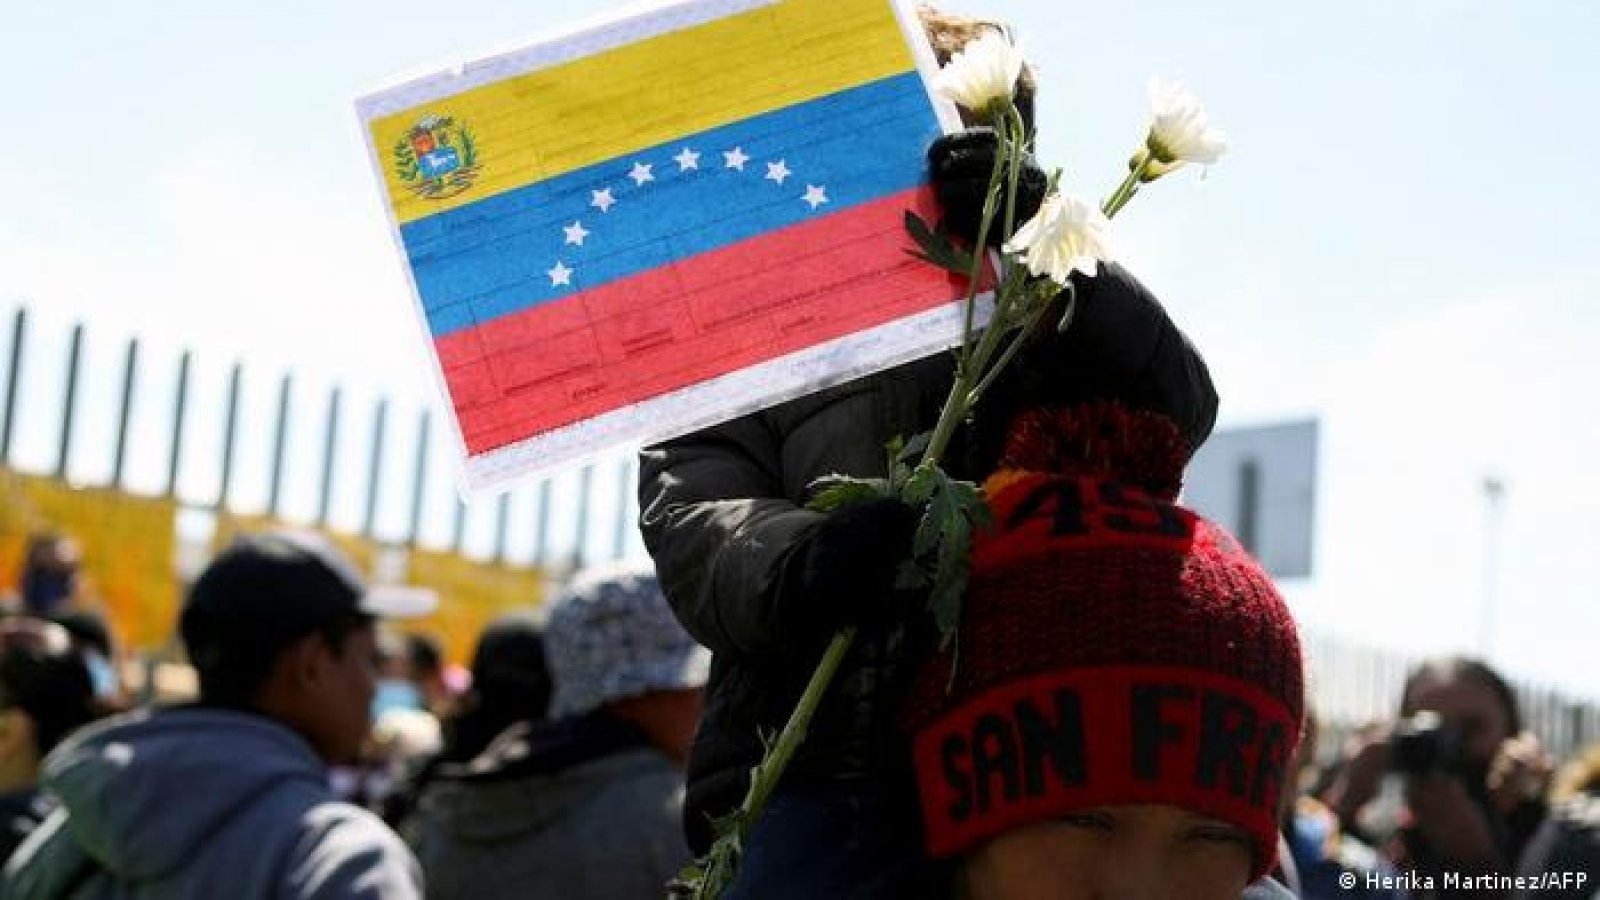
(959, 165)
(844, 572)
(1121, 346)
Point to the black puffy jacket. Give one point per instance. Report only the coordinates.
(722, 510)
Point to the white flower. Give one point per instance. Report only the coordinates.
(1066, 234)
(1179, 132)
(981, 74)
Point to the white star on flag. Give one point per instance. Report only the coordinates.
(778, 171)
(735, 158)
(816, 195)
(602, 199)
(687, 159)
(641, 173)
(560, 275)
(575, 233)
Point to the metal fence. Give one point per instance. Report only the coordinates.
(220, 438)
(374, 465)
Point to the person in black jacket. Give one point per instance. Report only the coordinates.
(45, 694)
(763, 582)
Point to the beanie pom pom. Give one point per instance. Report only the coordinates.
(1100, 438)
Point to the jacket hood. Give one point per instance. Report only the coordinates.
(145, 790)
(534, 774)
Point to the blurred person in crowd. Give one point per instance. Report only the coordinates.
(764, 581)
(1118, 713)
(396, 687)
(91, 636)
(1322, 857)
(1569, 839)
(1472, 780)
(46, 692)
(425, 665)
(587, 804)
(510, 686)
(52, 574)
(230, 797)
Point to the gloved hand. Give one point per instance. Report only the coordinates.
(843, 573)
(959, 165)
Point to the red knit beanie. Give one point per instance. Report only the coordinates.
(1114, 649)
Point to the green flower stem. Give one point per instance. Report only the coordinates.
(1014, 139)
(764, 778)
(971, 363)
(974, 276)
(794, 731)
(1010, 351)
(1125, 191)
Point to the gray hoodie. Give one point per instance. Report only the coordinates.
(577, 813)
(202, 803)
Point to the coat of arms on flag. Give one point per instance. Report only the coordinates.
(665, 220)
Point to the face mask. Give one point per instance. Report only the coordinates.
(45, 591)
(101, 675)
(394, 693)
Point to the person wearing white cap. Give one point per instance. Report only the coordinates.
(588, 803)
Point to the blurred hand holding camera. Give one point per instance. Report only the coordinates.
(1452, 822)
(1520, 772)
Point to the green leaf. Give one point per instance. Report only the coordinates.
(950, 580)
(911, 577)
(953, 509)
(835, 491)
(936, 247)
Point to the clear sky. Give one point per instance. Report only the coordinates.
(1401, 242)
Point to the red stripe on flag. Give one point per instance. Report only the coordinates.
(637, 338)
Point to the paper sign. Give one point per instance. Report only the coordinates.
(639, 228)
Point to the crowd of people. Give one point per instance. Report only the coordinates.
(1121, 711)
(1101, 734)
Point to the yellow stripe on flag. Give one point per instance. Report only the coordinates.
(536, 126)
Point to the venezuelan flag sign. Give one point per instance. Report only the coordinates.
(639, 228)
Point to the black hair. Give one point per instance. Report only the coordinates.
(424, 654)
(46, 677)
(1465, 668)
(510, 683)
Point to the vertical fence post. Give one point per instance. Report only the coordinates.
(180, 408)
(502, 522)
(19, 331)
(625, 481)
(330, 449)
(69, 404)
(120, 453)
(380, 419)
(581, 527)
(458, 529)
(280, 443)
(230, 435)
(541, 546)
(419, 479)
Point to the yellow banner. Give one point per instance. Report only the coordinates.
(471, 595)
(129, 547)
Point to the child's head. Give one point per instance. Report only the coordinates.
(1127, 687)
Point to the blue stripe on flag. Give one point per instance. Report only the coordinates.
(494, 257)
